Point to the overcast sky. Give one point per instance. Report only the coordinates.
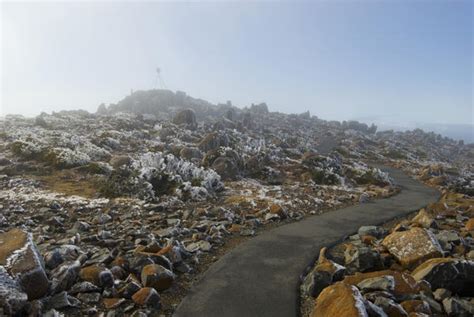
(412, 60)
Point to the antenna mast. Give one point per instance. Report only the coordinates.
(160, 82)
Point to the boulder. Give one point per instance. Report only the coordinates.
(156, 276)
(416, 306)
(424, 219)
(338, 300)
(97, 275)
(64, 276)
(324, 274)
(458, 307)
(470, 225)
(390, 307)
(189, 153)
(452, 274)
(213, 141)
(186, 117)
(375, 231)
(62, 300)
(361, 258)
(202, 245)
(13, 300)
(21, 259)
(378, 283)
(413, 246)
(226, 167)
(441, 293)
(404, 283)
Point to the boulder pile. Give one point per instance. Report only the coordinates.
(423, 266)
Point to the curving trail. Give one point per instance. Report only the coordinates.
(261, 276)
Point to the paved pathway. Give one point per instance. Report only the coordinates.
(260, 277)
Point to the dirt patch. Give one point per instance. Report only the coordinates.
(69, 182)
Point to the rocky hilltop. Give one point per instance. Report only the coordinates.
(116, 212)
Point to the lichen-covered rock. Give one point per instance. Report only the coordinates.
(453, 274)
(412, 247)
(21, 259)
(340, 299)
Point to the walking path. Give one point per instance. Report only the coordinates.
(261, 276)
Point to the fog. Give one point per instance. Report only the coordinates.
(392, 63)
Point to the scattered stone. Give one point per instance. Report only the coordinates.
(147, 296)
(441, 293)
(112, 303)
(156, 276)
(62, 300)
(470, 225)
(200, 245)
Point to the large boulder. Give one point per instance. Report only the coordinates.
(413, 246)
(340, 299)
(21, 259)
(448, 273)
(186, 117)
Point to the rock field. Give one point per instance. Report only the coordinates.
(420, 266)
(113, 213)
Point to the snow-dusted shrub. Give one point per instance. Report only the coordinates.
(64, 157)
(26, 149)
(177, 169)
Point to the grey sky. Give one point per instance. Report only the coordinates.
(402, 60)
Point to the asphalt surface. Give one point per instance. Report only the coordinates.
(260, 277)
